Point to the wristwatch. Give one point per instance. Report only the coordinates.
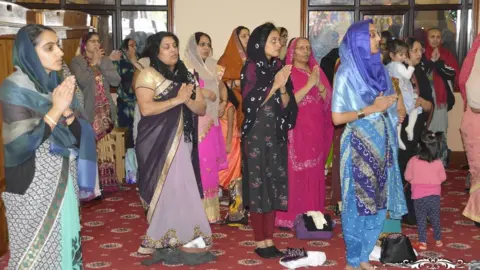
(360, 114)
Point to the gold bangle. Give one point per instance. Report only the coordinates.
(170, 102)
(320, 89)
(50, 119)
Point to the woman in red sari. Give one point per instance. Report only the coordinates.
(311, 139)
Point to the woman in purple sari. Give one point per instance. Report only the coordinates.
(166, 149)
(310, 140)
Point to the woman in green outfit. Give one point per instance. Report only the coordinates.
(46, 143)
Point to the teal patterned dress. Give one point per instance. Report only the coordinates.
(126, 99)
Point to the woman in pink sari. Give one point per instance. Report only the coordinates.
(469, 79)
(310, 140)
(211, 146)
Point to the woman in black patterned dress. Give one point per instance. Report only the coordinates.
(270, 111)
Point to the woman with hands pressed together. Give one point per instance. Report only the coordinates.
(307, 153)
(166, 149)
(270, 111)
(45, 141)
(126, 100)
(365, 101)
(95, 74)
(211, 147)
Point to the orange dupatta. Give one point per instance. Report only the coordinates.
(233, 59)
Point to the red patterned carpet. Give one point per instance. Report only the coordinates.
(113, 229)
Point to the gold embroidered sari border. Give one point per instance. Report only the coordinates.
(168, 162)
(205, 131)
(170, 239)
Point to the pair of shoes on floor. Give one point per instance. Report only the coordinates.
(337, 211)
(145, 250)
(296, 258)
(170, 256)
(293, 254)
(269, 252)
(235, 223)
(420, 246)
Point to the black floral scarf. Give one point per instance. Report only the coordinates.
(257, 77)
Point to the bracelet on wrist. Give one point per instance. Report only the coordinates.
(360, 114)
(50, 119)
(69, 116)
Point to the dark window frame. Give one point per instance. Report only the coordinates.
(408, 11)
(114, 10)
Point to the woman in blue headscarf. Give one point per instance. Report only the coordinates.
(42, 135)
(365, 101)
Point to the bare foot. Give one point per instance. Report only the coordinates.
(348, 267)
(269, 243)
(366, 266)
(261, 244)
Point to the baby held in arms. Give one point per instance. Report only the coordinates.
(401, 76)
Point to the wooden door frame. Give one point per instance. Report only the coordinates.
(475, 17)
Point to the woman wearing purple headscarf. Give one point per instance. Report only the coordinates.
(365, 101)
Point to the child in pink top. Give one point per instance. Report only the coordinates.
(426, 173)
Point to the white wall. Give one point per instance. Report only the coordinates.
(218, 18)
(454, 120)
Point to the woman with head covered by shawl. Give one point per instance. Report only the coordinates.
(126, 100)
(469, 81)
(232, 60)
(42, 135)
(365, 101)
(270, 111)
(95, 73)
(306, 153)
(211, 147)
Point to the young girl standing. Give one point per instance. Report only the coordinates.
(397, 56)
(425, 172)
(231, 178)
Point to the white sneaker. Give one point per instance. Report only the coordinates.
(314, 258)
(197, 243)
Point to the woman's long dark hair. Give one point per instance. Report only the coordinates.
(86, 37)
(149, 42)
(394, 46)
(410, 41)
(179, 73)
(282, 30)
(430, 146)
(232, 98)
(199, 35)
(237, 32)
(240, 28)
(124, 45)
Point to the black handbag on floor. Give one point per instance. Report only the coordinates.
(397, 248)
